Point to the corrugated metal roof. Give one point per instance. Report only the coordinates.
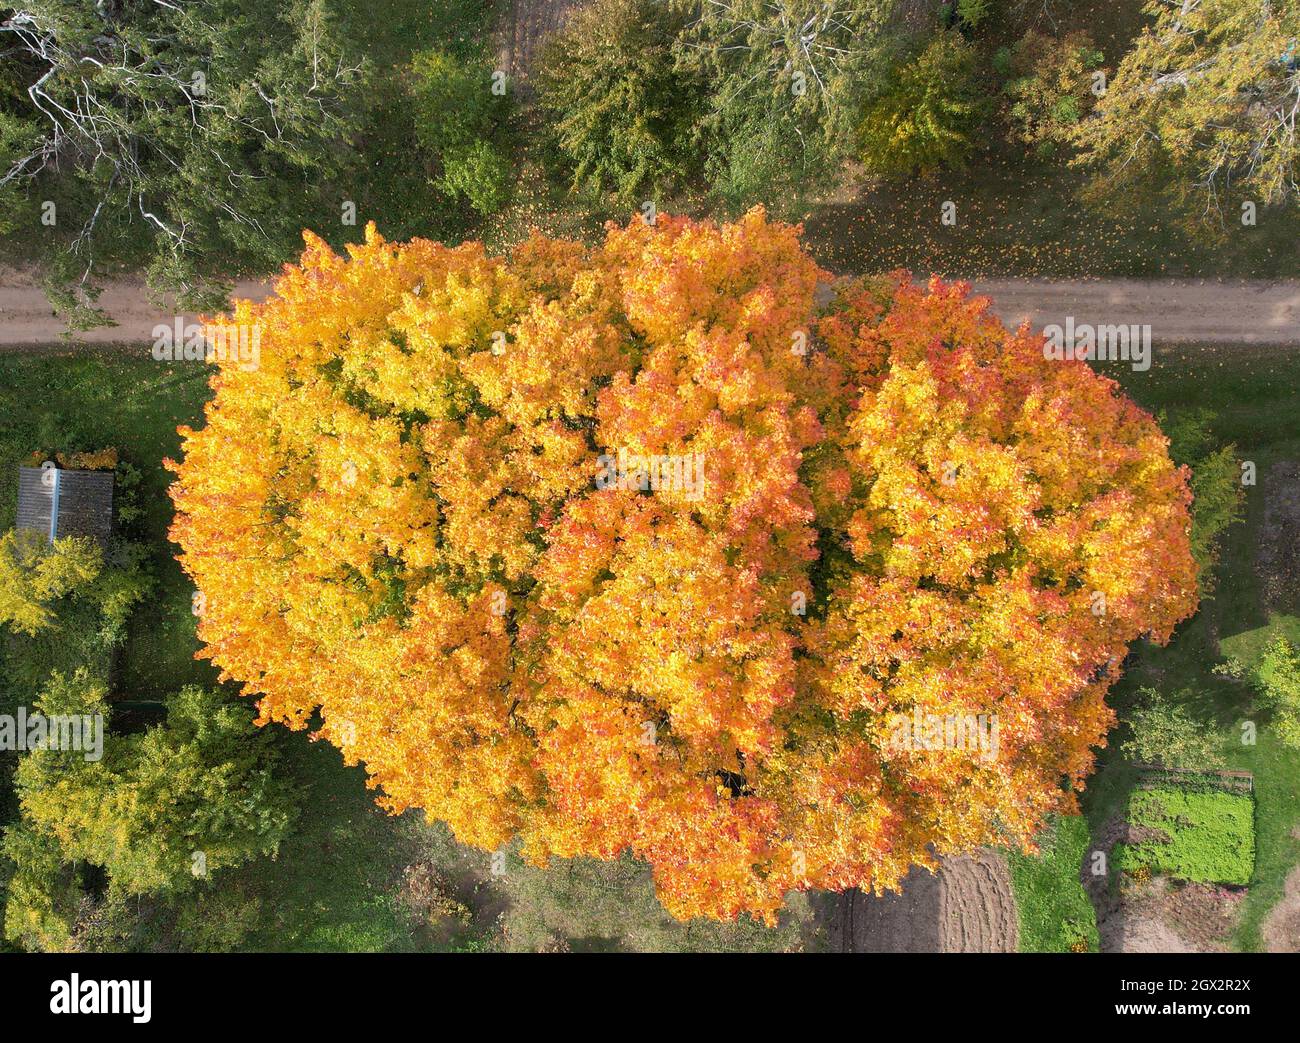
(35, 500)
(81, 502)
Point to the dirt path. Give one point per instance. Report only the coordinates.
(968, 906)
(521, 28)
(26, 320)
(1178, 311)
(1281, 929)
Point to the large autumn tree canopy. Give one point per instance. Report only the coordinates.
(397, 520)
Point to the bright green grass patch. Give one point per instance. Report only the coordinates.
(1277, 813)
(1206, 836)
(1055, 912)
(1249, 645)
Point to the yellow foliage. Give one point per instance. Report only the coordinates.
(397, 520)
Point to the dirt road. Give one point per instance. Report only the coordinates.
(1178, 311)
(26, 320)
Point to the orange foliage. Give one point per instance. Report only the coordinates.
(906, 511)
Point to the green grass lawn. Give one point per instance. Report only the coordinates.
(1254, 392)
(333, 887)
(1055, 912)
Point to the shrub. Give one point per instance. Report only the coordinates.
(40, 581)
(205, 919)
(1218, 498)
(1277, 677)
(457, 119)
(36, 574)
(44, 897)
(973, 12)
(477, 173)
(1218, 502)
(160, 808)
(429, 898)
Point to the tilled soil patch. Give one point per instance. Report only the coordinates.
(1158, 915)
(967, 906)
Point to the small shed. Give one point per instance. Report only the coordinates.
(61, 501)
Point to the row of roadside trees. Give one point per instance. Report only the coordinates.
(195, 141)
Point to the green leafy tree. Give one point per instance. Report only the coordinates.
(197, 138)
(786, 80)
(1050, 88)
(160, 810)
(622, 115)
(18, 137)
(44, 896)
(1203, 107)
(457, 118)
(928, 115)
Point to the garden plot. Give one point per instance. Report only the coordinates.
(1200, 836)
(1180, 862)
(967, 906)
